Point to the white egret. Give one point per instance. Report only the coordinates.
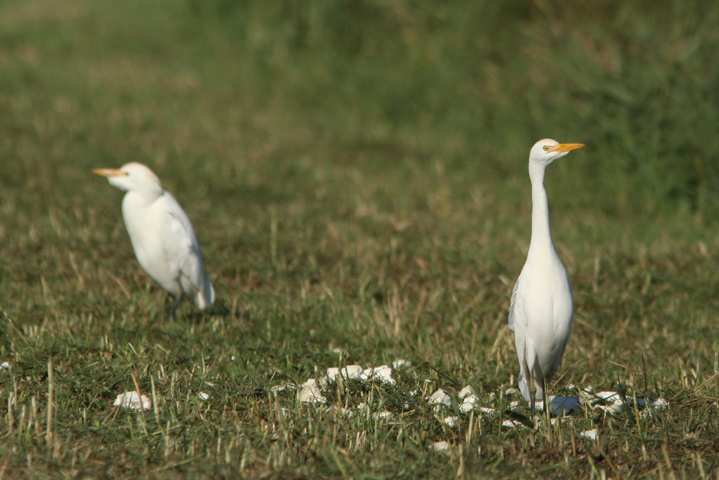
(161, 234)
(540, 313)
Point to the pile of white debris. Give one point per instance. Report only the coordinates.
(447, 410)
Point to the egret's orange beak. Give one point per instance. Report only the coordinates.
(565, 147)
(109, 172)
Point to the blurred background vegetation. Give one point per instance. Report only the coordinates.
(385, 83)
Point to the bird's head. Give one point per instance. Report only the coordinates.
(546, 151)
(132, 176)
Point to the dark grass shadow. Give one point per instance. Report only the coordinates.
(218, 309)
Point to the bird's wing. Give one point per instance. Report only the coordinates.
(525, 350)
(183, 251)
(513, 306)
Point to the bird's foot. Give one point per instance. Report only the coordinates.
(175, 304)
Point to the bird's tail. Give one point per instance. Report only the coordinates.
(205, 296)
(527, 382)
(201, 293)
(524, 384)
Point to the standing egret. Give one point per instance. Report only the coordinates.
(161, 234)
(540, 311)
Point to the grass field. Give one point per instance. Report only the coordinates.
(357, 175)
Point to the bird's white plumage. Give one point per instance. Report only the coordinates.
(161, 234)
(540, 312)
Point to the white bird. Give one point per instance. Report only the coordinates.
(540, 312)
(161, 234)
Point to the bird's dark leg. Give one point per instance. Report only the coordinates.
(532, 394)
(547, 410)
(175, 304)
(530, 381)
(533, 407)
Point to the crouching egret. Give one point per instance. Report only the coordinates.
(161, 234)
(540, 312)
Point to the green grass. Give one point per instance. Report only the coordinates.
(356, 173)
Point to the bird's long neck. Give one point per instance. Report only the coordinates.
(541, 230)
(145, 196)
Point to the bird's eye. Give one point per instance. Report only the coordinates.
(545, 148)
